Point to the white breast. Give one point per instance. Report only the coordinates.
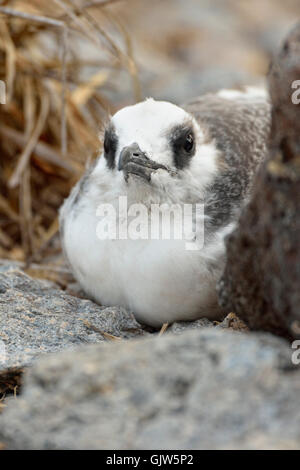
(159, 280)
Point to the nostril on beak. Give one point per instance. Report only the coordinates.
(127, 153)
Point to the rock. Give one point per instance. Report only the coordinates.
(37, 318)
(233, 322)
(201, 389)
(179, 327)
(262, 276)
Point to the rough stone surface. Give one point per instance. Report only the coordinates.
(231, 321)
(206, 388)
(181, 326)
(262, 276)
(37, 318)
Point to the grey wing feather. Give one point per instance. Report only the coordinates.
(240, 130)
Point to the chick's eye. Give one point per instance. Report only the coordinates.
(189, 143)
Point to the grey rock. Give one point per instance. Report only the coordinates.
(201, 389)
(231, 321)
(37, 318)
(261, 279)
(179, 327)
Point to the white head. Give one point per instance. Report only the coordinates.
(157, 144)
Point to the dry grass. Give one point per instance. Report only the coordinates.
(54, 109)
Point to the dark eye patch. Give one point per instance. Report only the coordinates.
(110, 146)
(182, 141)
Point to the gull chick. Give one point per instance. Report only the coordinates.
(203, 154)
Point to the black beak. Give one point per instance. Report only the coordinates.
(128, 154)
(135, 162)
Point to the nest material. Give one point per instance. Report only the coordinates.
(49, 126)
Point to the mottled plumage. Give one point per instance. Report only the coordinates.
(239, 123)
